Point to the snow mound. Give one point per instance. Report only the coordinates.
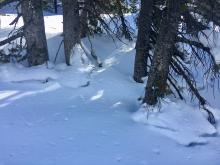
(183, 123)
(77, 75)
(74, 76)
(19, 73)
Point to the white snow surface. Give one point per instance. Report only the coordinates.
(55, 114)
(183, 123)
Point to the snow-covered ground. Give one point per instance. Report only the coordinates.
(82, 115)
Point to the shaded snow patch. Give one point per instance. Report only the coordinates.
(181, 122)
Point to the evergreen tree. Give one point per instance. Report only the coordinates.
(175, 38)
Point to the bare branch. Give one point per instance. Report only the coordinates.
(12, 38)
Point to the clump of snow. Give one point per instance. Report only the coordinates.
(179, 121)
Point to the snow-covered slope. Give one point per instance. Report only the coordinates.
(81, 115)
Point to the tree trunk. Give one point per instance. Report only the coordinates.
(71, 26)
(143, 39)
(34, 31)
(55, 6)
(84, 19)
(157, 79)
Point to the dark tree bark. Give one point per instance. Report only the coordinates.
(55, 6)
(143, 39)
(158, 75)
(34, 31)
(71, 27)
(84, 18)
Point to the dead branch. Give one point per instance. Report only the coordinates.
(12, 38)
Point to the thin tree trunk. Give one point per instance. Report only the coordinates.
(71, 27)
(84, 19)
(125, 30)
(157, 79)
(34, 31)
(143, 39)
(55, 6)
